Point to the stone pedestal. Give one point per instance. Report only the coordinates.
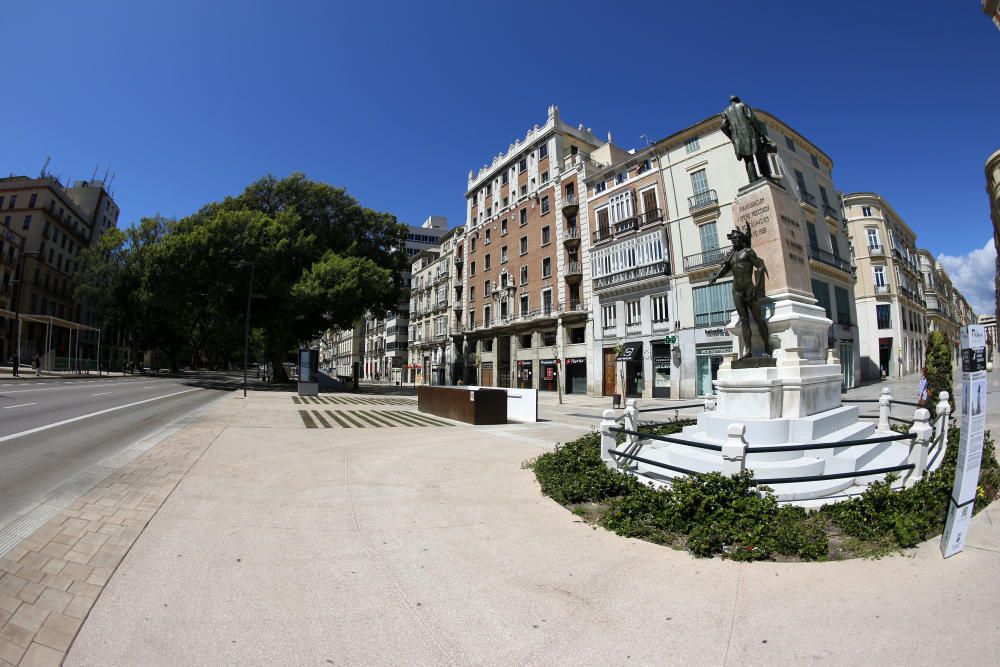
(801, 382)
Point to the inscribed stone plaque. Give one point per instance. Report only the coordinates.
(777, 235)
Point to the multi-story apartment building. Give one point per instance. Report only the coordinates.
(938, 295)
(345, 351)
(668, 211)
(631, 271)
(993, 193)
(525, 286)
(891, 312)
(11, 244)
(381, 341)
(432, 313)
(55, 223)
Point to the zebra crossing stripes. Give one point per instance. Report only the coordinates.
(352, 400)
(367, 419)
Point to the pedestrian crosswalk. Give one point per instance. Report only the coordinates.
(367, 419)
(353, 400)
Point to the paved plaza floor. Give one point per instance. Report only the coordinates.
(258, 535)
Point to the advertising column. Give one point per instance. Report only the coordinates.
(972, 420)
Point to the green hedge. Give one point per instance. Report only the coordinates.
(713, 514)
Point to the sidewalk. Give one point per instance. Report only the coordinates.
(271, 542)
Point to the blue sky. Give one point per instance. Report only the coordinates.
(187, 102)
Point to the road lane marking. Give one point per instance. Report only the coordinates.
(23, 391)
(22, 405)
(38, 429)
(105, 393)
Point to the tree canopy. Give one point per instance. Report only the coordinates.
(320, 260)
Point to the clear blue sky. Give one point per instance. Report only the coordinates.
(190, 101)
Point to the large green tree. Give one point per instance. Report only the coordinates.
(320, 260)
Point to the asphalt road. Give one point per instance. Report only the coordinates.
(51, 431)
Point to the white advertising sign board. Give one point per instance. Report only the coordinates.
(972, 422)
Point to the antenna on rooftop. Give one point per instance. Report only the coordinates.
(106, 174)
(643, 136)
(45, 166)
(94, 175)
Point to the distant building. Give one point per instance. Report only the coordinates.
(380, 342)
(891, 313)
(992, 9)
(993, 193)
(55, 223)
(435, 311)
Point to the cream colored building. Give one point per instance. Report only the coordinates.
(993, 192)
(938, 296)
(891, 314)
(432, 348)
(701, 178)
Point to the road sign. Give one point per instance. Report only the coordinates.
(972, 421)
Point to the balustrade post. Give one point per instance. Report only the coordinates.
(944, 417)
(710, 404)
(919, 445)
(608, 438)
(632, 421)
(734, 450)
(884, 406)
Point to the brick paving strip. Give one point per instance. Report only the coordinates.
(52, 579)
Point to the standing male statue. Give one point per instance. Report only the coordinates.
(747, 289)
(749, 136)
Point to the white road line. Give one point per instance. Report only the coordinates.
(22, 405)
(104, 393)
(37, 429)
(24, 391)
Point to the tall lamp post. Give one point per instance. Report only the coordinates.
(246, 331)
(17, 309)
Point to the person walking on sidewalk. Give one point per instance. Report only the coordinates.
(922, 388)
(38, 366)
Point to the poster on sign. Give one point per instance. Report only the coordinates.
(972, 423)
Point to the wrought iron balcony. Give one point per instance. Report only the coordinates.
(570, 204)
(627, 225)
(603, 234)
(573, 270)
(829, 211)
(807, 198)
(708, 257)
(571, 235)
(830, 259)
(703, 200)
(875, 249)
(649, 217)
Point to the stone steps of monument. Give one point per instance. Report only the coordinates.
(885, 455)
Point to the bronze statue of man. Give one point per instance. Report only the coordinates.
(748, 289)
(749, 136)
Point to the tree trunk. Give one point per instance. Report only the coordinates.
(278, 374)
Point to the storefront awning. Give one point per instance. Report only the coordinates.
(630, 352)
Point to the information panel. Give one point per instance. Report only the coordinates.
(972, 421)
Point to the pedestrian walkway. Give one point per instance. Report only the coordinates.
(367, 418)
(351, 399)
(249, 538)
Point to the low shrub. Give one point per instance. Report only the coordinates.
(731, 516)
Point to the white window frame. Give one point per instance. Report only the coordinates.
(633, 312)
(609, 316)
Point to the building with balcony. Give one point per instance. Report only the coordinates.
(346, 348)
(630, 271)
(386, 336)
(52, 223)
(993, 194)
(892, 317)
(938, 296)
(700, 176)
(434, 310)
(525, 285)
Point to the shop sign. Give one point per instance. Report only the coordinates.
(548, 368)
(713, 350)
(711, 334)
(573, 361)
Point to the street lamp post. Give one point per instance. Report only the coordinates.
(17, 310)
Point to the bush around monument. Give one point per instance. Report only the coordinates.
(715, 515)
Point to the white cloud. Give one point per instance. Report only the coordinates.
(972, 274)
